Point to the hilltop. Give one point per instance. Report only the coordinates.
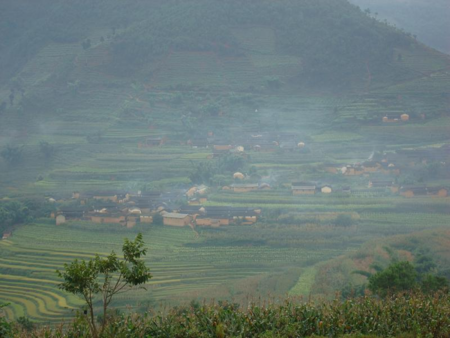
(426, 19)
(302, 42)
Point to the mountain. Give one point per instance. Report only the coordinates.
(312, 42)
(428, 20)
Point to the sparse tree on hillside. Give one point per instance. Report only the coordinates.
(12, 154)
(11, 98)
(106, 277)
(47, 149)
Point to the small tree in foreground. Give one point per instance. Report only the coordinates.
(106, 277)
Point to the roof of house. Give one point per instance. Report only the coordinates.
(303, 185)
(415, 190)
(175, 215)
(436, 189)
(255, 185)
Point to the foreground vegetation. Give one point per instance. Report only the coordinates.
(401, 315)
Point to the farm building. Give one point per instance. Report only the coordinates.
(390, 119)
(404, 117)
(107, 218)
(60, 219)
(300, 188)
(216, 216)
(72, 212)
(239, 176)
(178, 220)
(241, 188)
(326, 189)
(424, 191)
(413, 191)
(222, 147)
(352, 170)
(438, 192)
(371, 166)
(6, 235)
(197, 201)
(148, 219)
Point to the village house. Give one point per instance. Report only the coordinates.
(393, 119)
(147, 219)
(242, 188)
(198, 200)
(112, 196)
(371, 166)
(301, 188)
(413, 191)
(326, 189)
(216, 216)
(222, 147)
(437, 191)
(175, 219)
(60, 219)
(352, 170)
(105, 217)
(6, 235)
(71, 213)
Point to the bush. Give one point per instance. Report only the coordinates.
(400, 276)
(343, 221)
(403, 315)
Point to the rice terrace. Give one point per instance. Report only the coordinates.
(263, 149)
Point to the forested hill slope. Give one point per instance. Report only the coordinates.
(424, 18)
(309, 41)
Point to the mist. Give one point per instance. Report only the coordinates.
(238, 154)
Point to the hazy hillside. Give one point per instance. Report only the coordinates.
(314, 41)
(428, 20)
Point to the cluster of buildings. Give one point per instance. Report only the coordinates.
(259, 142)
(109, 207)
(211, 216)
(367, 167)
(393, 119)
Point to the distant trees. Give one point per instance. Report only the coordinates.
(343, 220)
(6, 329)
(399, 276)
(404, 276)
(12, 154)
(47, 150)
(86, 44)
(209, 172)
(13, 212)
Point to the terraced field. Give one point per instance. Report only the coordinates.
(30, 258)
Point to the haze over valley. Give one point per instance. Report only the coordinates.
(263, 149)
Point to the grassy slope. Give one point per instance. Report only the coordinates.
(338, 272)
